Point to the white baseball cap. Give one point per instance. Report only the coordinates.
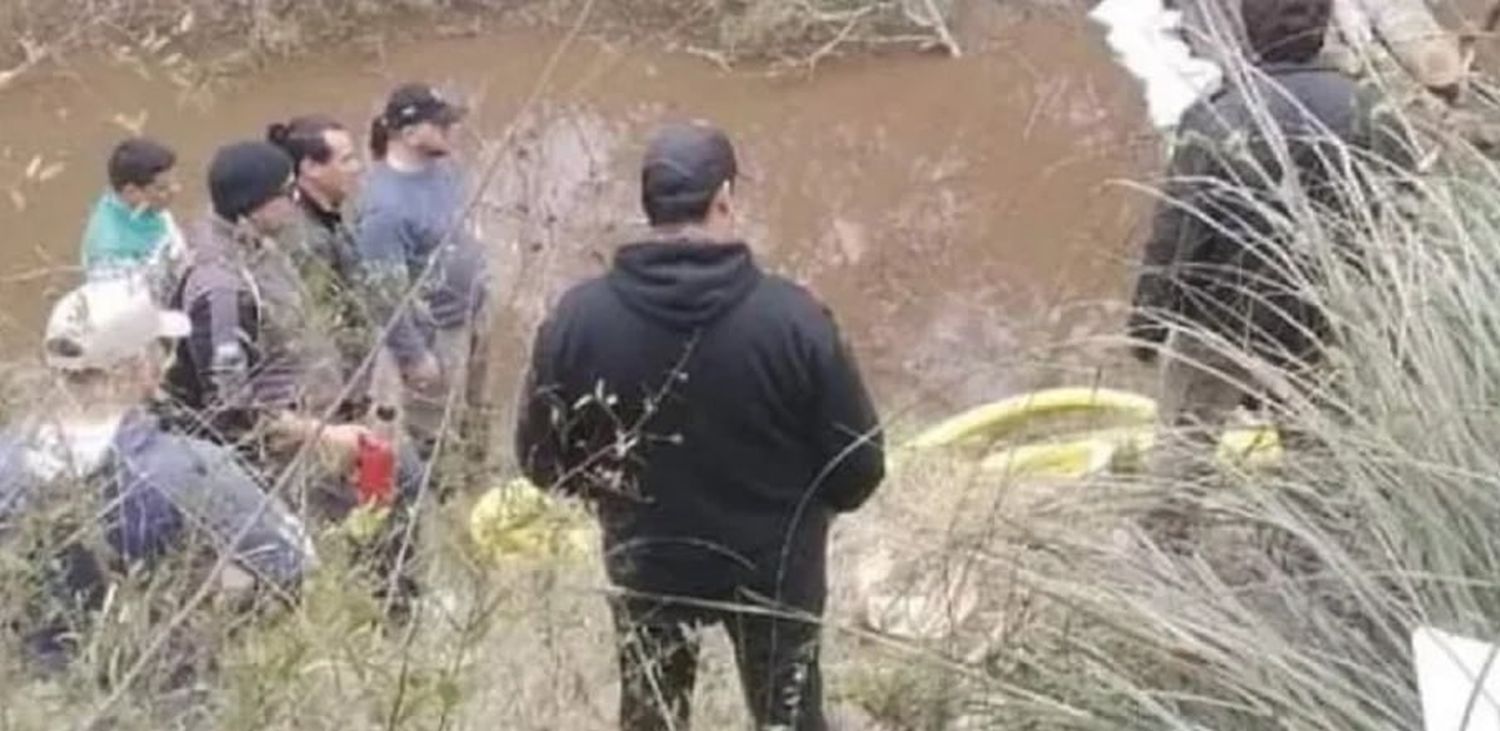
(107, 321)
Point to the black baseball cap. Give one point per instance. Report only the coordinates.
(687, 161)
(416, 103)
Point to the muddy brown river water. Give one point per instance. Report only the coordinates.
(948, 210)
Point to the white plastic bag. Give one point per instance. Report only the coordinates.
(1459, 679)
(1143, 33)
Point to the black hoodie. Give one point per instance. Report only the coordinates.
(1223, 253)
(712, 413)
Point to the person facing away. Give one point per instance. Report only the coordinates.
(98, 454)
(253, 373)
(713, 414)
(131, 228)
(1218, 277)
(411, 231)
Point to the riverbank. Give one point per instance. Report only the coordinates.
(205, 42)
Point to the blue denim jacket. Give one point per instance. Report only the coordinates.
(159, 485)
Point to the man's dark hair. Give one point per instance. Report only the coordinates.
(303, 138)
(679, 209)
(137, 161)
(1286, 31)
(685, 167)
(380, 137)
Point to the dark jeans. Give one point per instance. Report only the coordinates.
(72, 589)
(659, 647)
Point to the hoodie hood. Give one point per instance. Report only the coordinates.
(684, 283)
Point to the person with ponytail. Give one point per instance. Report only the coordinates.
(413, 234)
(327, 166)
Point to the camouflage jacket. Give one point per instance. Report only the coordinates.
(321, 246)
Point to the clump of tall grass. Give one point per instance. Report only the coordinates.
(1295, 605)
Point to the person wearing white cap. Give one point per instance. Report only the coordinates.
(98, 446)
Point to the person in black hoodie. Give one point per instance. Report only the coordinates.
(1223, 285)
(713, 415)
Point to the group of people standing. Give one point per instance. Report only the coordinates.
(236, 383)
(226, 382)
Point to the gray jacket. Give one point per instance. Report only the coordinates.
(411, 229)
(258, 344)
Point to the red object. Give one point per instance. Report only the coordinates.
(375, 471)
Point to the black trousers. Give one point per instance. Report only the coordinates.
(72, 587)
(659, 646)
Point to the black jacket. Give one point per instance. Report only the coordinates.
(713, 415)
(1214, 258)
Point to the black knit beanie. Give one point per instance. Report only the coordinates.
(245, 175)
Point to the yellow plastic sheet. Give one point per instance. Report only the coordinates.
(516, 522)
(1127, 432)
(995, 421)
(1093, 453)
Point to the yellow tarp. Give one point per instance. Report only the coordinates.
(516, 522)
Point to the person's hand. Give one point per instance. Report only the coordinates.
(1449, 93)
(236, 587)
(1146, 337)
(339, 443)
(425, 374)
(1145, 353)
(235, 581)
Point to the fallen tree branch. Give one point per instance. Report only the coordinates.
(827, 49)
(34, 56)
(936, 23)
